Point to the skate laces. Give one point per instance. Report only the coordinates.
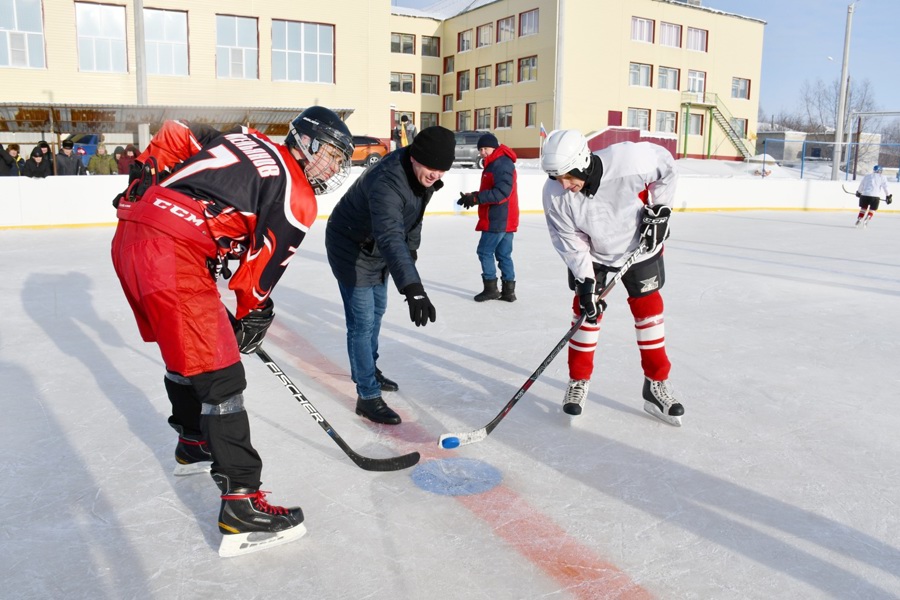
(661, 391)
(259, 502)
(577, 391)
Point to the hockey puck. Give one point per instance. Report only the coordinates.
(456, 476)
(450, 442)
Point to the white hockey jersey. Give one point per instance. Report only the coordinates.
(605, 227)
(873, 184)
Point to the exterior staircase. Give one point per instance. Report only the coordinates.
(720, 114)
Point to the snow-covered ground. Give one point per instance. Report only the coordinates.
(782, 483)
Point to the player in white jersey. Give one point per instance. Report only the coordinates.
(869, 194)
(600, 208)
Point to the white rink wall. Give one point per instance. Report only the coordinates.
(66, 201)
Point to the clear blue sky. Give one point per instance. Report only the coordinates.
(800, 35)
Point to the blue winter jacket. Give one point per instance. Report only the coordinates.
(376, 226)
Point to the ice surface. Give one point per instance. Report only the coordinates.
(782, 483)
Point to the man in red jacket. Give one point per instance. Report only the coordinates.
(498, 218)
(221, 195)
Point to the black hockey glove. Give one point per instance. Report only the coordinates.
(655, 226)
(421, 310)
(467, 200)
(858, 195)
(251, 330)
(889, 199)
(591, 305)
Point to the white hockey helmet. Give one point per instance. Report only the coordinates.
(566, 150)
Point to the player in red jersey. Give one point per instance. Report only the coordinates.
(213, 196)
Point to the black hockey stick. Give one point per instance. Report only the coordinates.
(363, 462)
(453, 440)
(843, 187)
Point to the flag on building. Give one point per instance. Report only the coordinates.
(543, 131)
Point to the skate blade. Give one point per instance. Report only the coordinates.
(652, 409)
(239, 544)
(192, 469)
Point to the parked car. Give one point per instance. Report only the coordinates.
(368, 150)
(467, 149)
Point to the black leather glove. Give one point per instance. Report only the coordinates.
(251, 330)
(421, 310)
(467, 200)
(591, 305)
(655, 226)
(889, 199)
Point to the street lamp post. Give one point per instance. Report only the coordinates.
(842, 103)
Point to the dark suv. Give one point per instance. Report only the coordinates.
(467, 149)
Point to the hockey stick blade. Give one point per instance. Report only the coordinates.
(366, 463)
(449, 441)
(843, 187)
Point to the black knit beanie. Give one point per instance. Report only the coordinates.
(434, 147)
(488, 140)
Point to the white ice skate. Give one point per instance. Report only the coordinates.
(661, 403)
(575, 396)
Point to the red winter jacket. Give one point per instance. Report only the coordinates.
(498, 198)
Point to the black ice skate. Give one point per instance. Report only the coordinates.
(659, 402)
(248, 523)
(575, 396)
(192, 455)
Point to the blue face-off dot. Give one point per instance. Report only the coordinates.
(456, 476)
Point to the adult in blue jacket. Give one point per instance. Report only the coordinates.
(375, 230)
(497, 200)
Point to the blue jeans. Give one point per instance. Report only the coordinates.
(499, 244)
(363, 309)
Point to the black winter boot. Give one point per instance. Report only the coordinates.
(490, 291)
(509, 291)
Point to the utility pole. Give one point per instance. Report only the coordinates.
(140, 59)
(842, 103)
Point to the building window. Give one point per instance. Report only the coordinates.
(697, 83)
(403, 82)
(101, 38)
(739, 126)
(431, 46)
(448, 64)
(506, 29)
(639, 118)
(484, 35)
(429, 120)
(504, 117)
(528, 68)
(430, 84)
(482, 77)
(696, 39)
(448, 102)
(528, 23)
(403, 43)
(236, 47)
(462, 83)
(670, 34)
(665, 121)
(695, 124)
(482, 118)
(463, 120)
(667, 78)
(639, 74)
(21, 34)
(165, 33)
(531, 114)
(302, 52)
(642, 30)
(505, 73)
(740, 88)
(464, 41)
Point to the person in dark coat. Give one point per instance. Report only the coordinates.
(498, 218)
(127, 159)
(68, 162)
(38, 165)
(49, 159)
(11, 164)
(375, 230)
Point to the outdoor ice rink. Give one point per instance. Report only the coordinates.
(783, 332)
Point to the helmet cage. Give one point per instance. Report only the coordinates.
(322, 127)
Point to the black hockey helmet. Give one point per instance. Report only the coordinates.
(322, 126)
